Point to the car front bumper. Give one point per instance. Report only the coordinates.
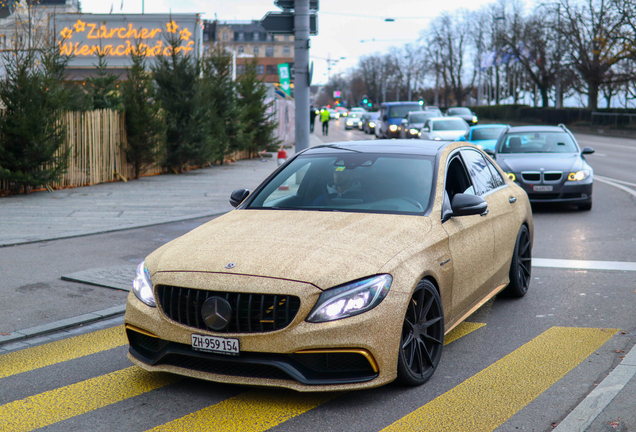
(575, 193)
(351, 353)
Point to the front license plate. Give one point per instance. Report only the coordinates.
(542, 189)
(215, 344)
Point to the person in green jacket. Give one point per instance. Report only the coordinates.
(324, 118)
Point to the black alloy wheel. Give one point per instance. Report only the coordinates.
(521, 265)
(422, 336)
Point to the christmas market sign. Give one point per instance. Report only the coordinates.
(85, 36)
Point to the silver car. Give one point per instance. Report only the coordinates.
(444, 129)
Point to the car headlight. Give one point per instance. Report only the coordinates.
(437, 139)
(349, 123)
(351, 299)
(413, 131)
(371, 124)
(474, 119)
(393, 128)
(579, 175)
(511, 176)
(142, 285)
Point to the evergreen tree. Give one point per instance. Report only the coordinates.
(103, 89)
(225, 116)
(31, 131)
(179, 90)
(259, 124)
(145, 124)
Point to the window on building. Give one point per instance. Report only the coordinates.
(286, 50)
(269, 37)
(260, 69)
(256, 50)
(241, 36)
(256, 36)
(240, 49)
(286, 37)
(270, 70)
(206, 37)
(226, 35)
(269, 51)
(240, 69)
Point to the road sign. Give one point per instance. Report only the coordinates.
(283, 75)
(283, 23)
(289, 4)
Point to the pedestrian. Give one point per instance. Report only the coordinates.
(312, 118)
(324, 118)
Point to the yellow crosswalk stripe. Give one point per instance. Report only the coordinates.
(253, 411)
(462, 330)
(491, 397)
(63, 403)
(60, 351)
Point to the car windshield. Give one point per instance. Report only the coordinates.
(374, 115)
(401, 111)
(449, 125)
(459, 111)
(538, 142)
(351, 181)
(355, 114)
(420, 117)
(486, 133)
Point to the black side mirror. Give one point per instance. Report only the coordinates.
(238, 196)
(588, 150)
(467, 205)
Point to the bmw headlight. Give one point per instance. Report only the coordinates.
(351, 299)
(512, 176)
(142, 285)
(393, 128)
(579, 175)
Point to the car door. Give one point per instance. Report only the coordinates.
(471, 243)
(502, 210)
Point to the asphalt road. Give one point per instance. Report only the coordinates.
(97, 390)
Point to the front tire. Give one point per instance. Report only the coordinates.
(521, 265)
(422, 336)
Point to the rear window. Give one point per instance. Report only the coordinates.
(449, 125)
(459, 111)
(401, 111)
(420, 117)
(486, 133)
(538, 142)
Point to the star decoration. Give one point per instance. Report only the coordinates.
(172, 27)
(185, 34)
(79, 26)
(66, 33)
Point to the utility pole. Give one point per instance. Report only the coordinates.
(301, 79)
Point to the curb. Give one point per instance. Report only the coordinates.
(44, 329)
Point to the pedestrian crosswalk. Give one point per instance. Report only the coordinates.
(481, 403)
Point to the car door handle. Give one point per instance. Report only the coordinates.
(512, 200)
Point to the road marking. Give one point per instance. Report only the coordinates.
(616, 181)
(611, 182)
(584, 264)
(256, 410)
(61, 351)
(63, 403)
(462, 330)
(492, 396)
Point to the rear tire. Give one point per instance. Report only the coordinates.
(422, 338)
(521, 265)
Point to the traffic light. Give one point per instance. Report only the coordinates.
(421, 102)
(370, 104)
(365, 101)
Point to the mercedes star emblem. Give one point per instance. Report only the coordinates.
(216, 313)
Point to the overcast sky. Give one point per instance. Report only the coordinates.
(342, 24)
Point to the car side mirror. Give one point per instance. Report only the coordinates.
(238, 196)
(468, 204)
(426, 129)
(588, 150)
(489, 152)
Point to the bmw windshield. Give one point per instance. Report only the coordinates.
(538, 142)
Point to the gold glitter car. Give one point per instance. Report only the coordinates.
(343, 270)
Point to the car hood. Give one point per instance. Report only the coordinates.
(538, 161)
(322, 248)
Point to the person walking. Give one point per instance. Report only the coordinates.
(312, 118)
(324, 118)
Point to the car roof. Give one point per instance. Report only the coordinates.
(392, 146)
(536, 129)
(489, 125)
(400, 103)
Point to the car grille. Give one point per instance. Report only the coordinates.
(531, 177)
(552, 176)
(536, 176)
(251, 313)
(225, 367)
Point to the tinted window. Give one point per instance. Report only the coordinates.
(401, 111)
(538, 142)
(486, 133)
(450, 124)
(479, 172)
(497, 178)
(420, 117)
(459, 111)
(351, 182)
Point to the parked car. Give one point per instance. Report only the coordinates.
(391, 115)
(348, 280)
(370, 122)
(547, 162)
(464, 113)
(413, 123)
(353, 120)
(486, 136)
(444, 129)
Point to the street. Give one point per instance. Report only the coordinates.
(515, 365)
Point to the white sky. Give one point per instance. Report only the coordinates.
(342, 24)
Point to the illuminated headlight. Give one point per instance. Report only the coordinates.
(413, 131)
(337, 115)
(474, 119)
(349, 123)
(371, 124)
(579, 175)
(437, 139)
(511, 176)
(142, 285)
(393, 128)
(351, 299)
